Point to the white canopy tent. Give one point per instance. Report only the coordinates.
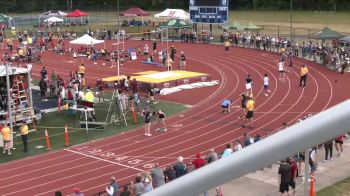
(86, 40)
(12, 70)
(174, 14)
(49, 14)
(53, 19)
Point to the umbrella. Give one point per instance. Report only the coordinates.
(233, 25)
(326, 34)
(175, 23)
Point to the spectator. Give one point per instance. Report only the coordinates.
(212, 156)
(328, 147)
(284, 174)
(247, 140)
(113, 188)
(6, 136)
(312, 161)
(339, 145)
(172, 53)
(125, 191)
(100, 90)
(157, 176)
(257, 138)
(43, 89)
(145, 50)
(147, 185)
(134, 86)
(154, 47)
(179, 167)
(43, 73)
(199, 161)
(89, 96)
(170, 173)
(81, 71)
(238, 145)
(24, 135)
(58, 193)
(182, 62)
(228, 151)
(147, 120)
(77, 192)
(127, 83)
(138, 187)
(293, 173)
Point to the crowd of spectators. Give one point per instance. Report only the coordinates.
(330, 54)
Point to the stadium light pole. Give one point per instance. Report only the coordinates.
(118, 13)
(291, 21)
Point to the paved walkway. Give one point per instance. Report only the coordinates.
(265, 183)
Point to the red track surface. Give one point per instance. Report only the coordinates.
(90, 165)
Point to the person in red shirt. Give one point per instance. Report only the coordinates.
(339, 144)
(70, 94)
(293, 173)
(134, 86)
(199, 161)
(100, 89)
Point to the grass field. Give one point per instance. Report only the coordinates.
(338, 21)
(54, 123)
(341, 188)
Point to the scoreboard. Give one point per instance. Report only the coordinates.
(209, 11)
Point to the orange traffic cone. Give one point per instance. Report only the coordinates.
(48, 145)
(66, 136)
(312, 188)
(134, 115)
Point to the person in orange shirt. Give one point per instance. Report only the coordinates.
(6, 136)
(81, 71)
(227, 46)
(250, 112)
(303, 75)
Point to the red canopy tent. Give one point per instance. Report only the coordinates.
(134, 11)
(77, 13)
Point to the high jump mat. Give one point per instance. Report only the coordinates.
(163, 79)
(167, 76)
(113, 78)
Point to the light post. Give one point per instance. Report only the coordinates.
(118, 13)
(291, 21)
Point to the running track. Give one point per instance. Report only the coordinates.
(197, 129)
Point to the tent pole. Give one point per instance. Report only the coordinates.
(9, 99)
(167, 46)
(118, 53)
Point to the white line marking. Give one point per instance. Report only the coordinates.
(108, 161)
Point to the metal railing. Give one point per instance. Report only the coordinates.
(311, 132)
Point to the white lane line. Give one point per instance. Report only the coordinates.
(108, 161)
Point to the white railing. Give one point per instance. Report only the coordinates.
(311, 132)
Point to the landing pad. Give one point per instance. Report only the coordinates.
(168, 76)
